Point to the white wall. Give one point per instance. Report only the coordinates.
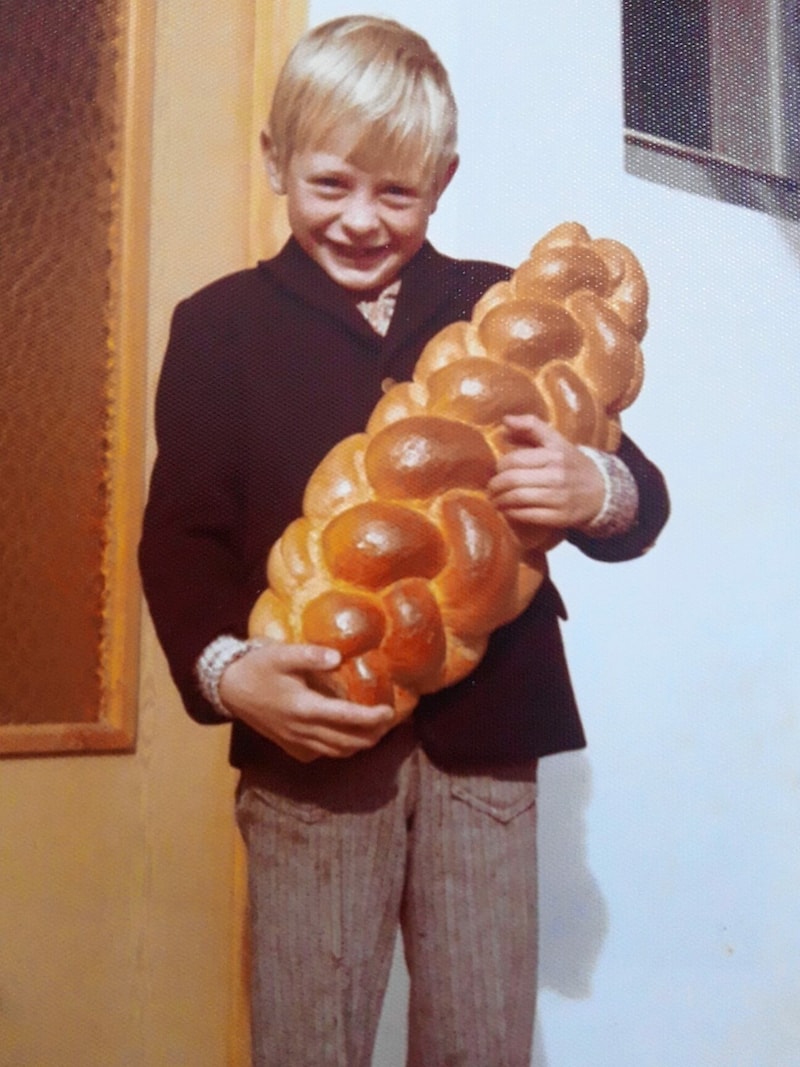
(670, 882)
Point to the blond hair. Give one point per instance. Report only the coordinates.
(372, 77)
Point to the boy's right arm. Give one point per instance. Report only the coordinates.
(193, 580)
(196, 584)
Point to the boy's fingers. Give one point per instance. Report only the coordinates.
(301, 657)
(337, 728)
(521, 459)
(331, 744)
(332, 710)
(529, 429)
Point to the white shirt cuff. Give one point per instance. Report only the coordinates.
(621, 500)
(215, 658)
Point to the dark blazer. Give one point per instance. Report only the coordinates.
(264, 372)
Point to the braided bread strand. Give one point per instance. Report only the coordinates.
(400, 561)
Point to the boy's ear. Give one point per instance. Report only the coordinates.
(447, 177)
(274, 174)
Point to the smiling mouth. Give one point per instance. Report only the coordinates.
(355, 254)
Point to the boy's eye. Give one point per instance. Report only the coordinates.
(328, 182)
(400, 193)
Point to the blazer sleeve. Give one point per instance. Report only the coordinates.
(654, 508)
(189, 553)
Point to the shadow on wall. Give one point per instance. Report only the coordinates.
(573, 916)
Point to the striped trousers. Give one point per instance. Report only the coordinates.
(342, 851)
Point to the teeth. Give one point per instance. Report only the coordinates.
(358, 253)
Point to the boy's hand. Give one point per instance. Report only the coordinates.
(545, 480)
(267, 690)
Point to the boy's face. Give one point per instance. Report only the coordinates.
(360, 225)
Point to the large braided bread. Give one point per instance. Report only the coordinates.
(400, 561)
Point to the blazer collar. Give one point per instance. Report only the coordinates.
(428, 282)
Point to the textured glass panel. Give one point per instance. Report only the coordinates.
(57, 166)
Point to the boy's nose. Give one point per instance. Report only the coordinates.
(360, 216)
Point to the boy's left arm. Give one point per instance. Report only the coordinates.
(546, 481)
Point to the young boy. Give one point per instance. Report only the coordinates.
(431, 824)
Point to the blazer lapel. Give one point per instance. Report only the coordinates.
(429, 282)
(299, 275)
